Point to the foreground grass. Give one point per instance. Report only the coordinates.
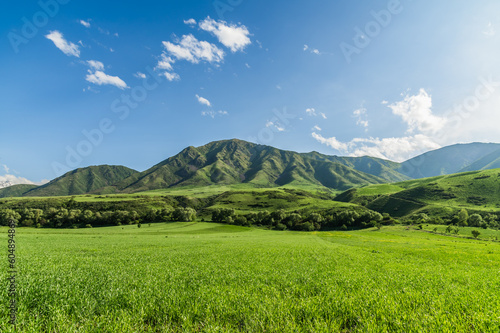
(194, 277)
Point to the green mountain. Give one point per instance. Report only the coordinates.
(374, 166)
(475, 190)
(82, 181)
(235, 161)
(447, 160)
(490, 161)
(16, 190)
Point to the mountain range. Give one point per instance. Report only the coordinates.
(235, 161)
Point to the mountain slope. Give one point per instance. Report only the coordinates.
(16, 190)
(446, 160)
(490, 161)
(236, 161)
(83, 180)
(475, 190)
(374, 166)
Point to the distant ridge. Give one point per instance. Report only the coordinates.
(82, 181)
(236, 161)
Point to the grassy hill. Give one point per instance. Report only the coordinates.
(83, 180)
(475, 190)
(235, 161)
(15, 190)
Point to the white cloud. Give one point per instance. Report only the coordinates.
(421, 123)
(212, 113)
(316, 128)
(191, 49)
(231, 36)
(396, 149)
(416, 113)
(203, 101)
(314, 51)
(101, 78)
(86, 24)
(191, 21)
(140, 75)
(322, 115)
(360, 115)
(94, 64)
(490, 30)
(69, 49)
(384, 102)
(9, 180)
(311, 111)
(276, 125)
(6, 168)
(165, 63)
(247, 65)
(331, 142)
(171, 76)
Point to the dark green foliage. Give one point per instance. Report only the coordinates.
(475, 233)
(236, 161)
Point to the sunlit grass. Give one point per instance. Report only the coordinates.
(176, 277)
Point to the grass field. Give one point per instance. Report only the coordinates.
(204, 277)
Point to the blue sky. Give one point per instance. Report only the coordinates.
(132, 83)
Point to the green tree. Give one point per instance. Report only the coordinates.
(475, 220)
(463, 216)
(475, 233)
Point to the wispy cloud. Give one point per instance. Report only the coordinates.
(86, 24)
(171, 76)
(421, 124)
(212, 113)
(191, 21)
(191, 49)
(235, 37)
(360, 115)
(312, 112)
(66, 47)
(140, 75)
(312, 50)
(203, 100)
(490, 30)
(94, 64)
(101, 78)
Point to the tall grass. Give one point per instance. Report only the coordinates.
(202, 277)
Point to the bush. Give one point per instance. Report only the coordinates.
(475, 233)
(88, 225)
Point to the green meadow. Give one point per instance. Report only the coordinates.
(207, 277)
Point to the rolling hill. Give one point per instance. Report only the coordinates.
(474, 190)
(82, 181)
